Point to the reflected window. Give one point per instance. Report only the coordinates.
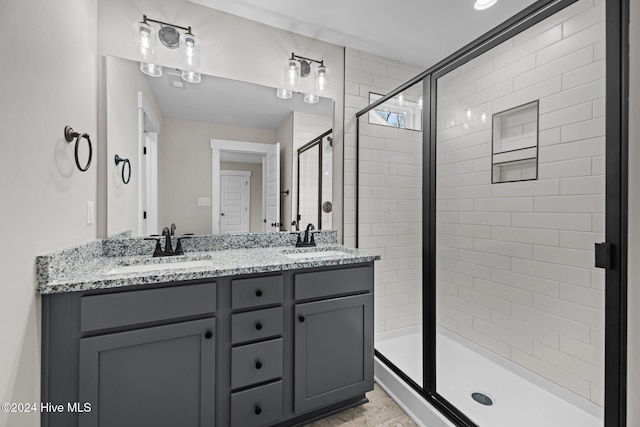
(392, 118)
(403, 111)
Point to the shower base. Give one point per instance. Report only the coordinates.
(519, 396)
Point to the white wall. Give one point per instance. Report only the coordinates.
(186, 169)
(633, 321)
(46, 84)
(232, 47)
(255, 213)
(123, 81)
(515, 260)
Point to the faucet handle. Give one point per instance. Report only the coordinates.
(158, 250)
(179, 250)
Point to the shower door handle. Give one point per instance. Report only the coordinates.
(605, 255)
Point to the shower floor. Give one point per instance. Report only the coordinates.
(519, 396)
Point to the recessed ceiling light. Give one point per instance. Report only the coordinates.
(484, 4)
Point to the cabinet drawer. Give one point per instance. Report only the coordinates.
(254, 363)
(146, 305)
(257, 406)
(256, 292)
(319, 284)
(255, 325)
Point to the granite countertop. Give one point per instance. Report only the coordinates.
(101, 272)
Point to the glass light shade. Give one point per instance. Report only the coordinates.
(311, 98)
(189, 51)
(191, 76)
(321, 83)
(484, 4)
(151, 69)
(401, 99)
(145, 41)
(284, 93)
(292, 73)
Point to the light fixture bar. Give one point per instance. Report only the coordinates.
(298, 57)
(146, 20)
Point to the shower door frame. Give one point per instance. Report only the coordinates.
(317, 141)
(616, 99)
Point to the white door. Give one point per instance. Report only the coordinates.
(235, 198)
(151, 161)
(148, 178)
(271, 174)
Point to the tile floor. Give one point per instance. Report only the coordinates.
(381, 411)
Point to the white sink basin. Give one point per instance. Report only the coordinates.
(315, 254)
(141, 268)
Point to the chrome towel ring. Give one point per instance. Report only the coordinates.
(126, 162)
(69, 135)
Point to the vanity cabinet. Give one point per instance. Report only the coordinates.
(159, 376)
(271, 349)
(333, 337)
(333, 351)
(138, 356)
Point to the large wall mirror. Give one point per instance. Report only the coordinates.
(207, 156)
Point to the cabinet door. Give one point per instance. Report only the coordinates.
(333, 351)
(160, 377)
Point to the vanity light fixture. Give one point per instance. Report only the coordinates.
(321, 80)
(145, 41)
(484, 4)
(311, 98)
(298, 66)
(284, 93)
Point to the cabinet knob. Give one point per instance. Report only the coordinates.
(257, 410)
(258, 326)
(258, 364)
(208, 335)
(301, 318)
(258, 293)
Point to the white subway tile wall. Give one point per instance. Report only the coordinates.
(515, 261)
(390, 208)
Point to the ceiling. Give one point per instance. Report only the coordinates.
(416, 32)
(229, 102)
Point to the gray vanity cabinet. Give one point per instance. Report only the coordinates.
(333, 337)
(161, 376)
(139, 356)
(274, 349)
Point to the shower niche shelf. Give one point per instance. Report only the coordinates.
(514, 154)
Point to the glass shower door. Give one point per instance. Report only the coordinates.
(520, 184)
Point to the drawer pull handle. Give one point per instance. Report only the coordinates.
(258, 364)
(301, 318)
(258, 326)
(258, 293)
(257, 410)
(208, 335)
